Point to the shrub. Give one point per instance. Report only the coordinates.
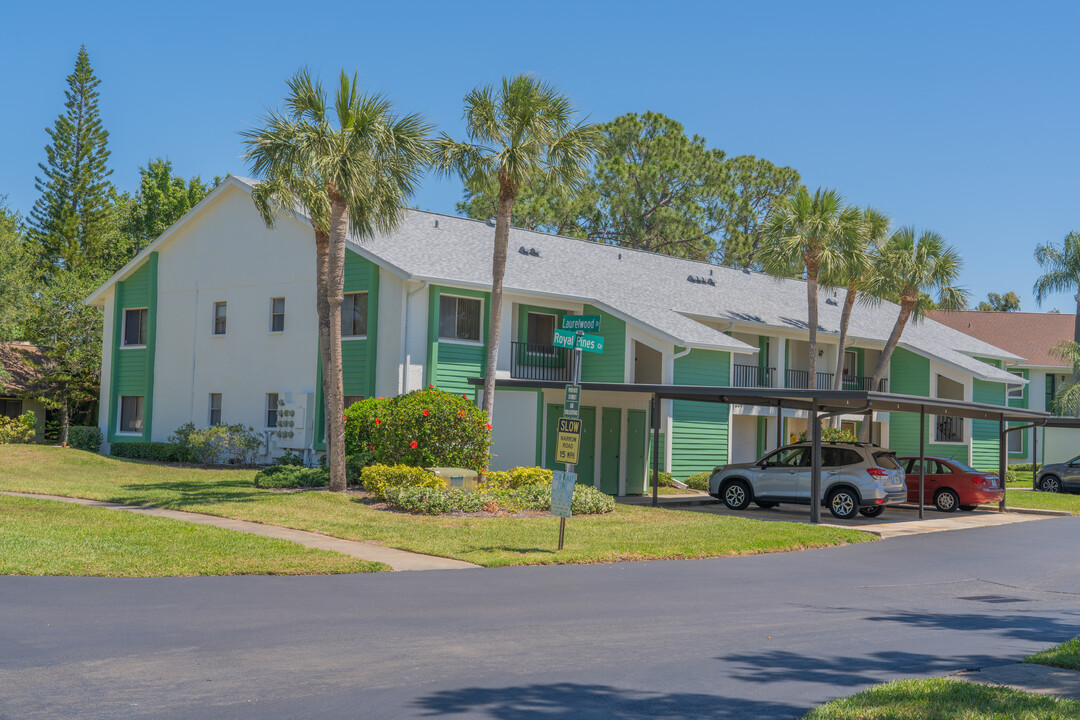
(424, 428)
(666, 479)
(354, 465)
(85, 437)
(377, 479)
(698, 481)
(181, 438)
(291, 476)
(290, 458)
(833, 435)
(234, 444)
(436, 501)
(157, 451)
(18, 430)
(433, 501)
(517, 477)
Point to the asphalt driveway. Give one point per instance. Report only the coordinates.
(752, 637)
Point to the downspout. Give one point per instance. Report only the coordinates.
(668, 412)
(408, 339)
(194, 353)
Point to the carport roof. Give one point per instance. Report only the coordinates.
(826, 400)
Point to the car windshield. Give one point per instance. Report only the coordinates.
(886, 460)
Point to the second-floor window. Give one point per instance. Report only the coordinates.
(215, 409)
(219, 318)
(540, 330)
(277, 314)
(354, 315)
(1015, 390)
(135, 327)
(459, 318)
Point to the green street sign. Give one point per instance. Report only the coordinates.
(564, 339)
(591, 343)
(587, 323)
(572, 403)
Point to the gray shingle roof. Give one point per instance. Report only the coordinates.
(653, 290)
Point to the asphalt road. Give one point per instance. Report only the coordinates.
(754, 637)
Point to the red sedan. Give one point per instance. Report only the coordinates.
(950, 484)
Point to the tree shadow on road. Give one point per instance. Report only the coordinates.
(584, 702)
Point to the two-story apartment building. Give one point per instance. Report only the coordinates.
(1032, 336)
(215, 322)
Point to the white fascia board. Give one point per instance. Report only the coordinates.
(1013, 379)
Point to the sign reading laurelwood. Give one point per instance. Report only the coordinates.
(568, 441)
(589, 323)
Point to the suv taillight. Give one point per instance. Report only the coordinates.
(876, 473)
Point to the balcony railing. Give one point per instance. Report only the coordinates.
(531, 361)
(798, 379)
(753, 376)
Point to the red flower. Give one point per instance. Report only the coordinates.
(431, 386)
(414, 444)
(426, 412)
(371, 447)
(461, 413)
(378, 421)
(463, 396)
(487, 425)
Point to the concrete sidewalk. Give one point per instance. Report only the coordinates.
(1038, 679)
(397, 559)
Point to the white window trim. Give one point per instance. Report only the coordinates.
(123, 329)
(213, 318)
(210, 408)
(120, 416)
(965, 426)
(272, 331)
(266, 409)
(459, 341)
(345, 337)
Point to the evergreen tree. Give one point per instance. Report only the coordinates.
(69, 219)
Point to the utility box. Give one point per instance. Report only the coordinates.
(461, 478)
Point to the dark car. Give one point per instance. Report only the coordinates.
(1059, 477)
(950, 484)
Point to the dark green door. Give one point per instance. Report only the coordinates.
(587, 453)
(635, 452)
(610, 435)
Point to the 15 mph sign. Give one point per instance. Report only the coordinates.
(568, 441)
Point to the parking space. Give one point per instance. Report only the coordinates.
(894, 522)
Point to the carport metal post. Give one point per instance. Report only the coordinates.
(779, 425)
(1001, 460)
(815, 463)
(1034, 460)
(922, 457)
(655, 449)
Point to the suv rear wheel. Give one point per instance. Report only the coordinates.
(872, 511)
(736, 494)
(843, 503)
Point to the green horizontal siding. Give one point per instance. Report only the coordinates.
(699, 431)
(132, 371)
(610, 365)
(909, 374)
(451, 364)
(985, 434)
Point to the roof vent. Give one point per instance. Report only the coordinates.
(746, 270)
(491, 222)
(533, 252)
(699, 280)
(831, 301)
(436, 223)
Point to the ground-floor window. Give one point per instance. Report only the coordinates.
(271, 410)
(1016, 441)
(948, 429)
(215, 409)
(131, 413)
(10, 408)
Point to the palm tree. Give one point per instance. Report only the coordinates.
(909, 268)
(1067, 399)
(1061, 266)
(808, 234)
(517, 135)
(355, 176)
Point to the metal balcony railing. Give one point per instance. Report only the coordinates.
(799, 380)
(753, 376)
(531, 361)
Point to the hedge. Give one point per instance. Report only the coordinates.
(159, 451)
(292, 476)
(698, 481)
(517, 477)
(441, 500)
(378, 479)
(85, 437)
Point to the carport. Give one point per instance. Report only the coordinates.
(820, 405)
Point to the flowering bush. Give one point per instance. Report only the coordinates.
(378, 479)
(424, 428)
(833, 435)
(18, 430)
(517, 477)
(437, 501)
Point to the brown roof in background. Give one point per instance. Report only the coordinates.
(1029, 335)
(20, 362)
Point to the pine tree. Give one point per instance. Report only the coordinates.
(70, 219)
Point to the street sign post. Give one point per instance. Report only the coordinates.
(590, 323)
(569, 441)
(562, 493)
(572, 402)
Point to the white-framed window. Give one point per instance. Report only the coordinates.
(459, 318)
(851, 365)
(350, 400)
(220, 311)
(271, 410)
(1015, 442)
(134, 334)
(948, 429)
(131, 415)
(214, 415)
(354, 315)
(1015, 390)
(277, 314)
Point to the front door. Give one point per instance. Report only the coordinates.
(610, 437)
(585, 467)
(636, 445)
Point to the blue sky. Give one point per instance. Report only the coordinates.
(956, 117)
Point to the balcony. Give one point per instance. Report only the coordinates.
(799, 379)
(753, 376)
(530, 361)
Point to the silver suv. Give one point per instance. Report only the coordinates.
(855, 478)
(1059, 477)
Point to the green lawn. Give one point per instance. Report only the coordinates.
(629, 533)
(1065, 655)
(1044, 501)
(940, 699)
(47, 537)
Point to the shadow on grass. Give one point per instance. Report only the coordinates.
(191, 493)
(584, 702)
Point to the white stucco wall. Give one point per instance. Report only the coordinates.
(514, 431)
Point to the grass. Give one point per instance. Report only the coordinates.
(629, 533)
(941, 699)
(1044, 501)
(46, 537)
(1065, 655)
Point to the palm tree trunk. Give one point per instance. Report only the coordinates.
(322, 307)
(1076, 339)
(332, 384)
(906, 306)
(498, 271)
(812, 323)
(845, 319)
